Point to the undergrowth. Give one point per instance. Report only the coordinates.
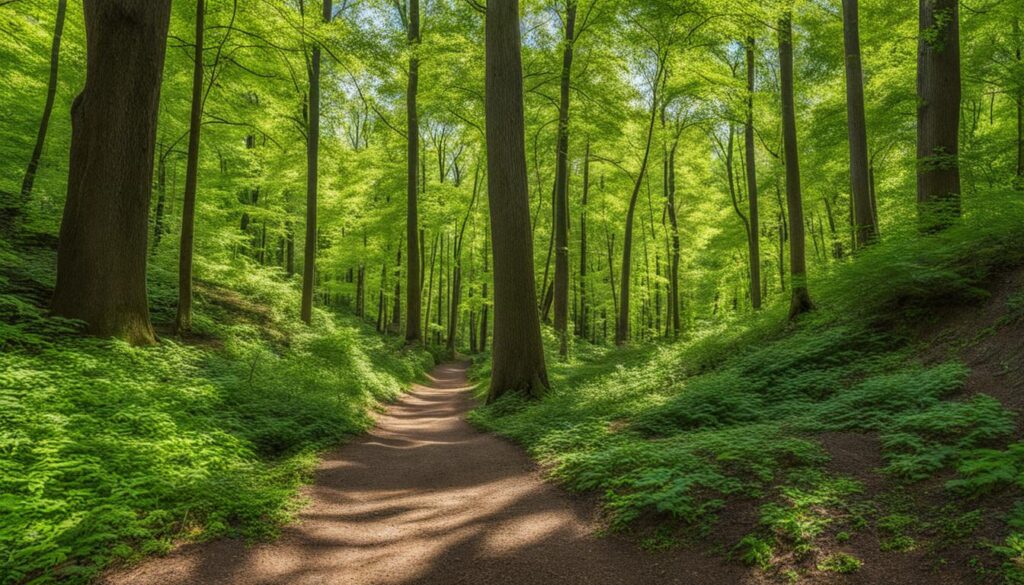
(108, 452)
(675, 432)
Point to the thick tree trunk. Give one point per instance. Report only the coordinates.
(51, 94)
(801, 299)
(183, 322)
(414, 278)
(938, 114)
(622, 327)
(101, 257)
(753, 239)
(518, 354)
(561, 215)
(865, 230)
(312, 177)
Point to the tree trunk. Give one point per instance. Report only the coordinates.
(101, 257)
(622, 327)
(801, 299)
(518, 354)
(753, 239)
(183, 322)
(865, 230)
(1019, 53)
(396, 311)
(312, 177)
(561, 216)
(453, 318)
(51, 94)
(938, 114)
(582, 325)
(414, 284)
(673, 298)
(484, 307)
(430, 286)
(161, 201)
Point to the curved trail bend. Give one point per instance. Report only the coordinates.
(425, 498)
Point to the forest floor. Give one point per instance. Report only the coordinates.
(427, 498)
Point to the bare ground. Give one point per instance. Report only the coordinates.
(427, 499)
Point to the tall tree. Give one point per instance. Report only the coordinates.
(1018, 41)
(413, 274)
(51, 94)
(517, 354)
(584, 307)
(101, 256)
(801, 299)
(312, 175)
(754, 233)
(865, 230)
(183, 322)
(561, 211)
(622, 327)
(938, 113)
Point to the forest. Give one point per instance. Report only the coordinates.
(511, 291)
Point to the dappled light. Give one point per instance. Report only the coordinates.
(426, 498)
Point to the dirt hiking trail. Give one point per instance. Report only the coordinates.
(425, 498)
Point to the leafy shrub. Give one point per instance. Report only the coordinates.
(841, 563)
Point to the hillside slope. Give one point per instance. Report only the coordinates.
(876, 439)
(109, 452)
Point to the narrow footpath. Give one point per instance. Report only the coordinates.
(425, 498)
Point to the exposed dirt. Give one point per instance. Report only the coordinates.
(427, 499)
(988, 337)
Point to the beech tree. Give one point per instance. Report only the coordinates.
(413, 273)
(800, 299)
(312, 174)
(51, 94)
(183, 322)
(938, 113)
(561, 206)
(101, 257)
(517, 352)
(865, 228)
(750, 152)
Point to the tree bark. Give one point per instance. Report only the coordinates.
(518, 354)
(561, 218)
(414, 279)
(754, 237)
(312, 177)
(865, 230)
(938, 114)
(183, 321)
(101, 257)
(800, 301)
